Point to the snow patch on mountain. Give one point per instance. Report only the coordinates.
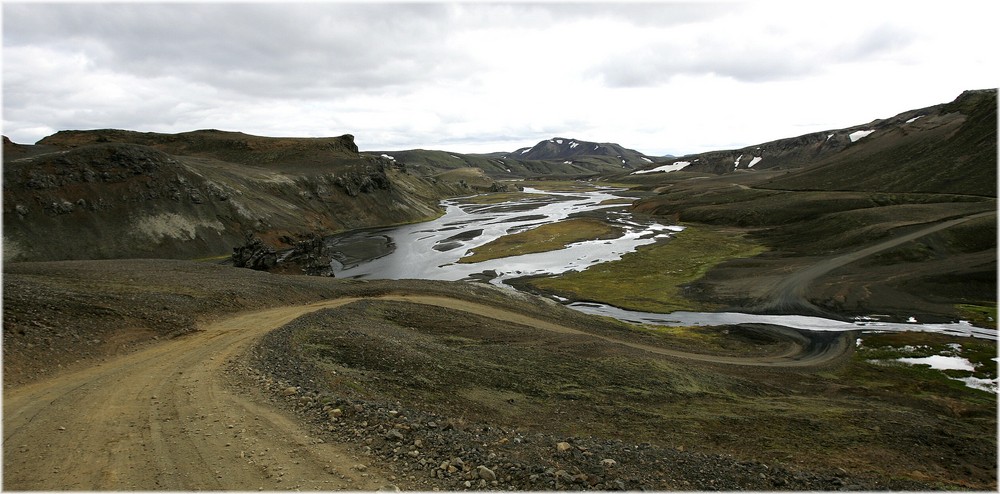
(754, 161)
(859, 134)
(675, 166)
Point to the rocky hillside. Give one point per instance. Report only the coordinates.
(943, 148)
(950, 148)
(892, 177)
(287, 153)
(558, 157)
(120, 194)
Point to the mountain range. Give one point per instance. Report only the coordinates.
(945, 148)
(558, 157)
(118, 193)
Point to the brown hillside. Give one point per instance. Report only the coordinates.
(121, 194)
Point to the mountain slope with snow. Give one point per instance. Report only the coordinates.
(946, 148)
(557, 157)
(567, 149)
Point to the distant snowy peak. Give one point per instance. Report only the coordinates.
(563, 148)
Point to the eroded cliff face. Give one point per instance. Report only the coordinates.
(121, 194)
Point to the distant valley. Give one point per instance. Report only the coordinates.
(124, 306)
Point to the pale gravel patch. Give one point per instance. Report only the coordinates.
(173, 225)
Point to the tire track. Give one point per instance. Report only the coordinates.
(164, 418)
(788, 296)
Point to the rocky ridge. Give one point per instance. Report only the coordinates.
(123, 194)
(561, 148)
(558, 157)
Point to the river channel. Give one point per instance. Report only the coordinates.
(431, 250)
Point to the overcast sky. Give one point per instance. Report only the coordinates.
(658, 77)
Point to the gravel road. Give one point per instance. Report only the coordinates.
(788, 296)
(164, 418)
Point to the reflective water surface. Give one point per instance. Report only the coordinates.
(431, 250)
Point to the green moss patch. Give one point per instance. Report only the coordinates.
(984, 316)
(550, 236)
(651, 278)
(497, 197)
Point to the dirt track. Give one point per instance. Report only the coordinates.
(165, 419)
(789, 294)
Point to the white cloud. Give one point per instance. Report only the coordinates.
(657, 77)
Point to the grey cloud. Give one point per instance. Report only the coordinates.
(640, 14)
(885, 39)
(260, 49)
(747, 56)
(659, 66)
(301, 50)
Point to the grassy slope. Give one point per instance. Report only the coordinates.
(652, 278)
(547, 237)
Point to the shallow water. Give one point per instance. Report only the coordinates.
(810, 323)
(431, 250)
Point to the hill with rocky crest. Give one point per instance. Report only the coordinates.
(122, 194)
(561, 148)
(287, 153)
(557, 157)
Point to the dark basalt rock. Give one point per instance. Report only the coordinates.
(309, 254)
(254, 255)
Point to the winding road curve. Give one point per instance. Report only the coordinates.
(164, 418)
(789, 294)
